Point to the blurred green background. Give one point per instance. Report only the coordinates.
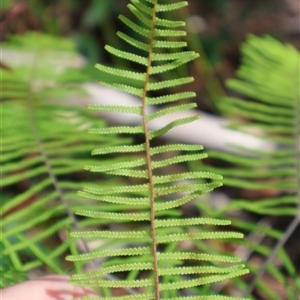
(217, 28)
(221, 24)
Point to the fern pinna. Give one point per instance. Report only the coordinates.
(150, 262)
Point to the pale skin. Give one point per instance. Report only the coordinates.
(54, 287)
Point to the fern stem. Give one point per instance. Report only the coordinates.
(148, 157)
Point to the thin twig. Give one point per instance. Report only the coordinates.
(288, 232)
(245, 252)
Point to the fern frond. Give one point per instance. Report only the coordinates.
(39, 142)
(269, 79)
(150, 247)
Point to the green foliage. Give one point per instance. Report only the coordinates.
(269, 79)
(151, 246)
(138, 200)
(40, 141)
(4, 4)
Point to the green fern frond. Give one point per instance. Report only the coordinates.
(39, 142)
(151, 245)
(269, 79)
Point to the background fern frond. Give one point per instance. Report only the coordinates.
(39, 142)
(269, 80)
